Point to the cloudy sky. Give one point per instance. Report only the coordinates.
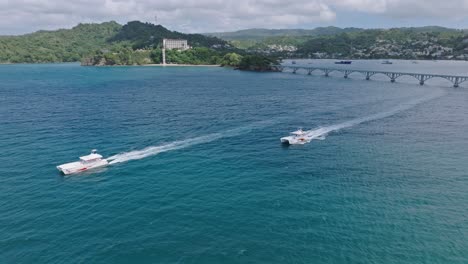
(23, 16)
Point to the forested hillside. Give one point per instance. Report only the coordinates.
(65, 45)
(258, 34)
(137, 43)
(70, 45)
(143, 35)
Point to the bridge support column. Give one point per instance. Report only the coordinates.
(392, 78)
(326, 73)
(294, 71)
(421, 80)
(309, 72)
(346, 74)
(367, 76)
(456, 83)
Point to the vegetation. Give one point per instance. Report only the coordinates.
(139, 43)
(259, 34)
(127, 45)
(144, 35)
(257, 39)
(332, 42)
(65, 45)
(196, 56)
(258, 63)
(393, 43)
(119, 56)
(232, 59)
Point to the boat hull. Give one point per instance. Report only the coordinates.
(78, 167)
(343, 62)
(295, 141)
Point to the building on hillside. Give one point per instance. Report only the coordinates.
(180, 44)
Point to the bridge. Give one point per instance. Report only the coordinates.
(456, 80)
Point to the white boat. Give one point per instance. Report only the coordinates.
(88, 162)
(297, 137)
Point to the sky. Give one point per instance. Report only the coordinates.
(25, 16)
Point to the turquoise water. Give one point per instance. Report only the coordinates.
(200, 176)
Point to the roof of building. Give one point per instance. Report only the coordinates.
(175, 39)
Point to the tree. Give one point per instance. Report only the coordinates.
(257, 63)
(231, 59)
(156, 55)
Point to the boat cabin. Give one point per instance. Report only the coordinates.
(93, 157)
(299, 132)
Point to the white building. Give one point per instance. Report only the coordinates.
(175, 44)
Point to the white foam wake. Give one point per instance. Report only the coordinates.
(180, 144)
(318, 133)
(321, 132)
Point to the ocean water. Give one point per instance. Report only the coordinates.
(199, 174)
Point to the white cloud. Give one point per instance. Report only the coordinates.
(20, 16)
(449, 9)
(371, 6)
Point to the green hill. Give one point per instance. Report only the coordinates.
(70, 45)
(258, 38)
(257, 34)
(64, 45)
(142, 35)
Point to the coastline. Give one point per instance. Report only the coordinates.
(181, 65)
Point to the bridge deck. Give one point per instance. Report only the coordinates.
(421, 77)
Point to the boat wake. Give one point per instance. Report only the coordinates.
(321, 132)
(314, 134)
(180, 144)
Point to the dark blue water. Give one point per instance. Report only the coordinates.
(201, 176)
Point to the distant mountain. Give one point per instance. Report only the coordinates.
(70, 45)
(257, 34)
(427, 29)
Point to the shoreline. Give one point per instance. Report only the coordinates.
(180, 65)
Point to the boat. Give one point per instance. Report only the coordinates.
(293, 62)
(387, 62)
(298, 137)
(88, 162)
(343, 62)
